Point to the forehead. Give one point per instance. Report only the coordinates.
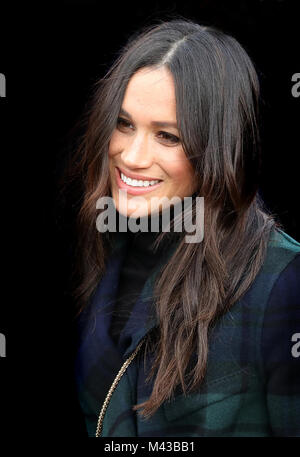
(151, 91)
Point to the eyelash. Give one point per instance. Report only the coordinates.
(168, 136)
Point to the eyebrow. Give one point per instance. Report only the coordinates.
(154, 123)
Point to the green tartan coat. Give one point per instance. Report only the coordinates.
(252, 384)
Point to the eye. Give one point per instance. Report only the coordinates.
(123, 123)
(169, 137)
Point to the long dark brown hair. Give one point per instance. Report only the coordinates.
(217, 104)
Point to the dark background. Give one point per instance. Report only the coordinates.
(51, 54)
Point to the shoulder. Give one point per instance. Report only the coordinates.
(268, 312)
(282, 249)
(282, 269)
(280, 337)
(283, 261)
(279, 270)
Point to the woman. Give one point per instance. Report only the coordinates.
(182, 338)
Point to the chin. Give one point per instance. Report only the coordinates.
(139, 212)
(128, 209)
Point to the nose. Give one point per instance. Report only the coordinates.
(137, 153)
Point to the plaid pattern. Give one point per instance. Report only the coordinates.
(252, 385)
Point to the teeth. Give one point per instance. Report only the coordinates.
(137, 182)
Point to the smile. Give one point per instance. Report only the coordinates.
(136, 186)
(137, 182)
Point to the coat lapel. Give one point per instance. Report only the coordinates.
(98, 358)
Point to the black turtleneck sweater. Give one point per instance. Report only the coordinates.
(137, 267)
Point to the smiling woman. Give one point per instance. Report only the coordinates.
(143, 159)
(179, 339)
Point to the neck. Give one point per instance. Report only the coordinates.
(144, 231)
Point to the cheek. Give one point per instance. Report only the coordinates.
(179, 170)
(113, 146)
(183, 178)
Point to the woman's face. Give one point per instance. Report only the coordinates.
(145, 149)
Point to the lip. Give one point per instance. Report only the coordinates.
(134, 190)
(134, 176)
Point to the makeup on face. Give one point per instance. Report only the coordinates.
(146, 157)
